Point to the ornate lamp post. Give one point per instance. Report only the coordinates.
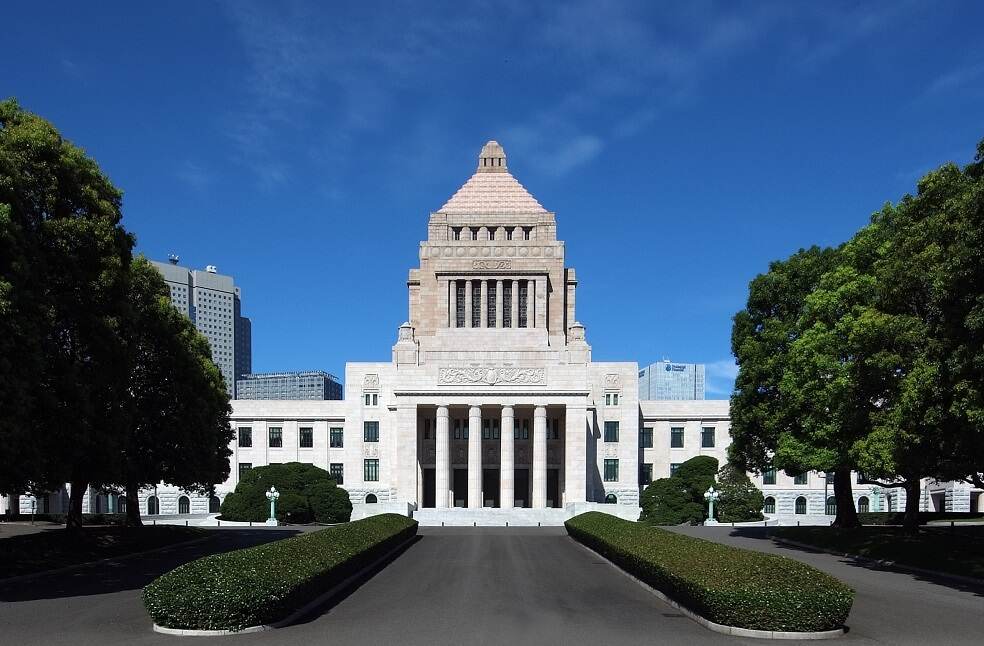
(272, 496)
(711, 497)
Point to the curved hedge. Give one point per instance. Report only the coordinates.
(724, 584)
(265, 584)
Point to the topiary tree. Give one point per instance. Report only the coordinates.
(307, 493)
(680, 498)
(740, 501)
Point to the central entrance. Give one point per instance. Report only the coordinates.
(490, 488)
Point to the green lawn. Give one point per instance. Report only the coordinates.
(954, 551)
(55, 548)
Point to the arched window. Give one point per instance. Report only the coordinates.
(121, 504)
(831, 507)
(611, 499)
(153, 506)
(770, 506)
(98, 504)
(801, 505)
(184, 505)
(863, 505)
(371, 499)
(214, 504)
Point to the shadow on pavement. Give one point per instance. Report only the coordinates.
(136, 572)
(765, 534)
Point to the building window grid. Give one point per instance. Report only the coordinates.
(276, 435)
(305, 437)
(490, 304)
(507, 304)
(769, 477)
(459, 314)
(335, 438)
(611, 470)
(523, 292)
(645, 473)
(611, 431)
(707, 437)
(646, 437)
(476, 300)
(337, 472)
(676, 437)
(801, 479)
(371, 470)
(245, 437)
(370, 431)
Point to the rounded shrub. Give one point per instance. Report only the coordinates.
(307, 494)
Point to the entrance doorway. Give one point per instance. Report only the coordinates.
(490, 488)
(553, 487)
(521, 486)
(460, 487)
(429, 488)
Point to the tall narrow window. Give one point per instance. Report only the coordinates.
(801, 505)
(770, 506)
(459, 313)
(526, 232)
(335, 438)
(276, 437)
(646, 437)
(370, 431)
(491, 233)
(509, 231)
(244, 467)
(457, 429)
(611, 431)
(245, 437)
(486, 429)
(611, 470)
(645, 473)
(306, 437)
(490, 304)
(337, 471)
(707, 437)
(676, 438)
(863, 505)
(523, 290)
(801, 479)
(456, 233)
(769, 477)
(476, 303)
(371, 471)
(507, 288)
(474, 233)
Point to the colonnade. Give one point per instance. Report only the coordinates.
(492, 310)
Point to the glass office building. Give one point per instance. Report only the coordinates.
(316, 384)
(670, 380)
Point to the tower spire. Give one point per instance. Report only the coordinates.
(492, 159)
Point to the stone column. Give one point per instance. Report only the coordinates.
(514, 304)
(530, 303)
(475, 457)
(483, 304)
(507, 466)
(452, 303)
(575, 453)
(498, 303)
(541, 303)
(468, 303)
(442, 456)
(539, 457)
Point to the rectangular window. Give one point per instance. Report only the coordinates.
(646, 437)
(526, 429)
(245, 437)
(427, 429)
(495, 429)
(509, 231)
(676, 438)
(371, 471)
(335, 438)
(337, 471)
(523, 291)
(611, 470)
(645, 473)
(368, 399)
(476, 304)
(769, 476)
(459, 301)
(614, 399)
(673, 467)
(457, 429)
(526, 233)
(556, 428)
(370, 431)
(491, 233)
(611, 431)
(243, 468)
(306, 437)
(507, 303)
(486, 429)
(276, 437)
(456, 233)
(707, 437)
(800, 479)
(490, 304)
(608, 399)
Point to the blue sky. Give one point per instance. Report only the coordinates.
(300, 146)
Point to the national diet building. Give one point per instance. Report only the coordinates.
(492, 407)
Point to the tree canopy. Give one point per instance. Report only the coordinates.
(307, 493)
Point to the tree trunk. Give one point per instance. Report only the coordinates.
(132, 505)
(847, 515)
(73, 519)
(910, 523)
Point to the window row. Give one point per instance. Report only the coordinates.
(474, 233)
(800, 505)
(708, 437)
(275, 437)
(769, 477)
(335, 469)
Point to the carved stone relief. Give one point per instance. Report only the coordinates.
(492, 376)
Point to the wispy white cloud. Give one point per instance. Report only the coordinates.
(957, 79)
(194, 175)
(719, 377)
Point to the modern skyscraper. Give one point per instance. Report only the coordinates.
(316, 384)
(213, 302)
(670, 380)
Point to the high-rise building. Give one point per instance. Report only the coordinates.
(316, 384)
(213, 302)
(670, 380)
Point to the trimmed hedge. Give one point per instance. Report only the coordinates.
(266, 583)
(724, 584)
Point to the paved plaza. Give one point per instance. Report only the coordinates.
(480, 586)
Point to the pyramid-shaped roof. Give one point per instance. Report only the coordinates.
(492, 190)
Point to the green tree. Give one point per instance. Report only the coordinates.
(307, 493)
(741, 501)
(62, 280)
(680, 498)
(176, 423)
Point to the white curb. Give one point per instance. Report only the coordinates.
(297, 614)
(720, 628)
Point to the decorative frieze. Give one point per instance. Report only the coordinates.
(492, 376)
(491, 265)
(613, 381)
(370, 382)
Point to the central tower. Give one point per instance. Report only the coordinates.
(492, 287)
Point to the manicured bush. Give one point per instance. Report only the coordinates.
(307, 493)
(724, 584)
(680, 498)
(264, 584)
(741, 501)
